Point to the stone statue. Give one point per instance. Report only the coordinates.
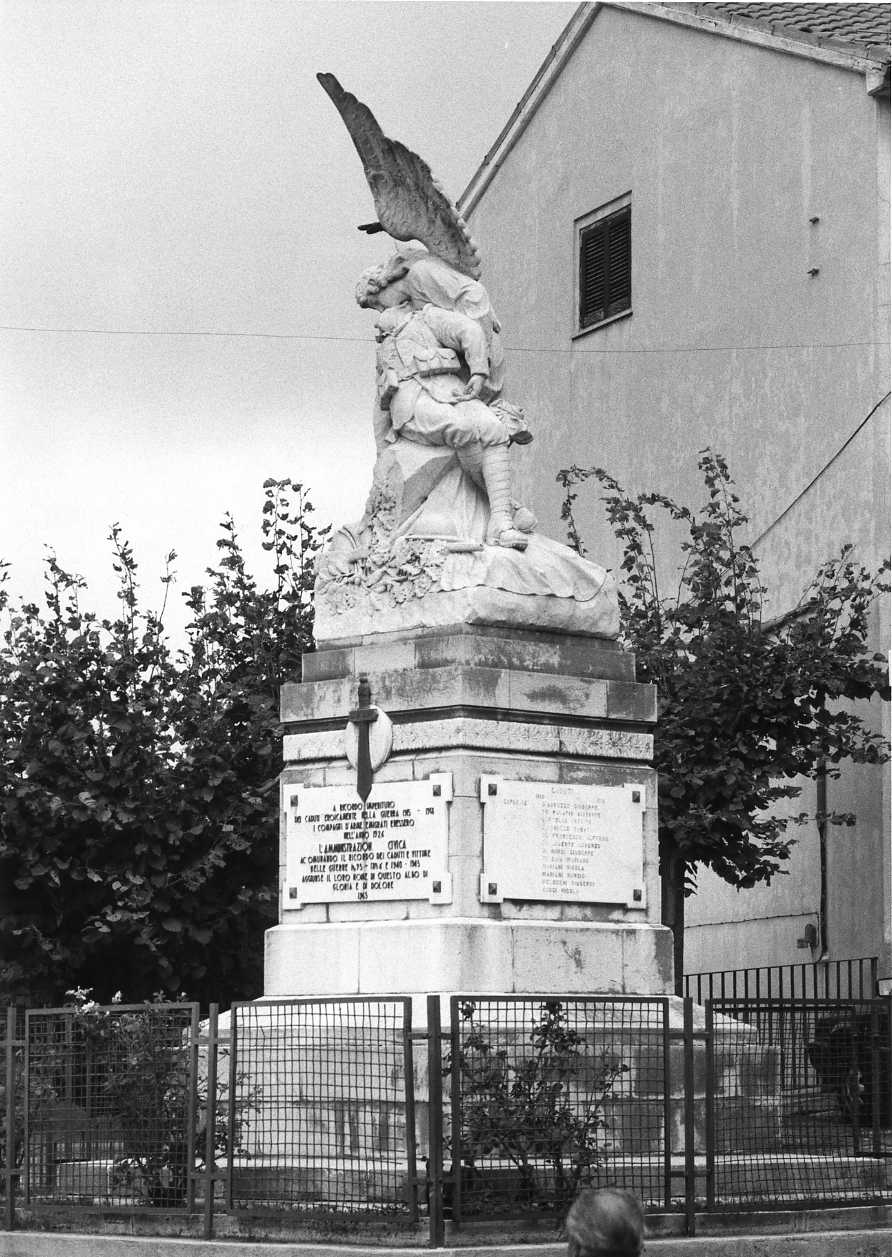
(432, 367)
(442, 539)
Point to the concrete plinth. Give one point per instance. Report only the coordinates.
(467, 956)
(475, 703)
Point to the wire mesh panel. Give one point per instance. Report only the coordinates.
(550, 1094)
(110, 1105)
(323, 1106)
(801, 1106)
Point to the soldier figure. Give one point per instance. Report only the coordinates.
(433, 364)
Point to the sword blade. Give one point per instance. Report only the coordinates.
(363, 763)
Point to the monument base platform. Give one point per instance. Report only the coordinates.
(469, 957)
(509, 841)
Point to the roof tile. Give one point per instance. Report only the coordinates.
(865, 25)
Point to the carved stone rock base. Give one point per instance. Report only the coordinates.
(418, 559)
(476, 605)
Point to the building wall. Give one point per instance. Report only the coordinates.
(728, 149)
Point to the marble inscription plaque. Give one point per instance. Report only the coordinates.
(339, 850)
(575, 843)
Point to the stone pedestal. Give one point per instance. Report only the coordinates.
(469, 706)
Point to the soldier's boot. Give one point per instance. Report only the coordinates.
(497, 478)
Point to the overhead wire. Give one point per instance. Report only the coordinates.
(362, 340)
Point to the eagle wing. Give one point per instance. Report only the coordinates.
(410, 203)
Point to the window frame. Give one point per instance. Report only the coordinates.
(619, 205)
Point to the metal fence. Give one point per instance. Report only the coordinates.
(801, 1102)
(12, 1113)
(112, 1106)
(549, 1095)
(819, 979)
(323, 1112)
(488, 1107)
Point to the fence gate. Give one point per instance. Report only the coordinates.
(799, 1102)
(109, 1103)
(548, 1094)
(320, 1099)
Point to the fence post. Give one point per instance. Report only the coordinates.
(436, 1221)
(709, 1073)
(191, 1108)
(667, 1106)
(210, 1167)
(10, 1175)
(876, 1077)
(231, 1098)
(409, 1097)
(690, 1167)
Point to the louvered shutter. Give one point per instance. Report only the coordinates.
(605, 268)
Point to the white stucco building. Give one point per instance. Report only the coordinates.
(731, 164)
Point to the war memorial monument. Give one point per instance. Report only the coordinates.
(467, 802)
(469, 817)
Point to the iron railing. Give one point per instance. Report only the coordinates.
(322, 1116)
(820, 979)
(801, 1101)
(111, 1105)
(548, 1095)
(12, 1113)
(328, 1113)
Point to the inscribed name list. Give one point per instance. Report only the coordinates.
(549, 841)
(341, 850)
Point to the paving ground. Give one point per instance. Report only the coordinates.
(841, 1231)
(846, 1243)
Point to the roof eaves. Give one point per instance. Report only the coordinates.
(526, 107)
(781, 30)
(831, 51)
(878, 81)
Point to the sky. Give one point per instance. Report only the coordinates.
(178, 218)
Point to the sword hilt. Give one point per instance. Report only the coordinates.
(365, 713)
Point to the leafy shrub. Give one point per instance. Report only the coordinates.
(138, 815)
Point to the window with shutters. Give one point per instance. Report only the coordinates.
(604, 253)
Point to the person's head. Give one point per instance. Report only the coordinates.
(391, 319)
(605, 1222)
(380, 287)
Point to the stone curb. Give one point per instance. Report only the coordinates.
(860, 1243)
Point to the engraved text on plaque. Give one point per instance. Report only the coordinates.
(394, 846)
(548, 841)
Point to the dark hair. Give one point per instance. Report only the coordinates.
(605, 1221)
